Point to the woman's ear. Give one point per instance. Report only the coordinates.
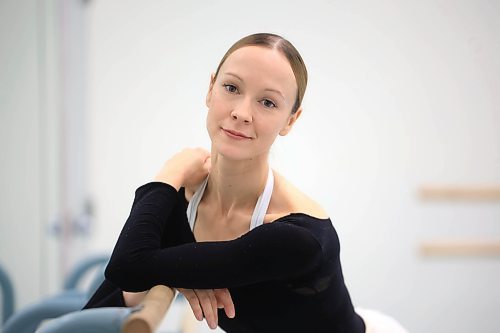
(291, 120)
(210, 87)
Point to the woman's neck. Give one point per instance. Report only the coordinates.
(235, 186)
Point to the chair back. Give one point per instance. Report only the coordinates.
(7, 295)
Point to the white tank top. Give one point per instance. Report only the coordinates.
(258, 213)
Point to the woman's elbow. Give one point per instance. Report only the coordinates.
(124, 275)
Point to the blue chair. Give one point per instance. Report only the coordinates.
(100, 320)
(7, 295)
(82, 268)
(71, 299)
(28, 319)
(143, 318)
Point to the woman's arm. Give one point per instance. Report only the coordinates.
(272, 251)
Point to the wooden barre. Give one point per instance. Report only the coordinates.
(460, 248)
(473, 193)
(151, 311)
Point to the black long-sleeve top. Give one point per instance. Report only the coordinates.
(283, 276)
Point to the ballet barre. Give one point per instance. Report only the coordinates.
(460, 193)
(152, 310)
(460, 248)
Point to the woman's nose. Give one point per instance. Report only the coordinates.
(242, 112)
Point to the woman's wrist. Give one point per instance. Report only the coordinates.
(173, 180)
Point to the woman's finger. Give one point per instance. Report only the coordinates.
(213, 300)
(207, 306)
(192, 298)
(224, 300)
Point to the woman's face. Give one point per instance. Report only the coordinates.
(250, 102)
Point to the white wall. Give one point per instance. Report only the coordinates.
(401, 94)
(41, 127)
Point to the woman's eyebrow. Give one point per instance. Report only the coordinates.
(276, 91)
(267, 89)
(236, 76)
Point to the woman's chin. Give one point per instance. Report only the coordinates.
(233, 156)
(232, 153)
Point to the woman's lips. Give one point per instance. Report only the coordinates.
(236, 134)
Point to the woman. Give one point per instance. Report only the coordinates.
(226, 230)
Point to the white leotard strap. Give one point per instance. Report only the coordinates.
(259, 211)
(194, 202)
(263, 202)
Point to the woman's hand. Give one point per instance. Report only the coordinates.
(205, 302)
(186, 168)
(133, 299)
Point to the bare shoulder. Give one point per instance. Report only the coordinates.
(288, 198)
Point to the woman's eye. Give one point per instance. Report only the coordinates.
(230, 88)
(268, 103)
